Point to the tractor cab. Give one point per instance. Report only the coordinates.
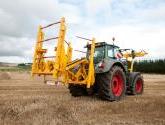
(104, 50)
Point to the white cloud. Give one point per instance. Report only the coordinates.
(131, 1)
(93, 6)
(138, 28)
(19, 22)
(157, 14)
(97, 10)
(138, 38)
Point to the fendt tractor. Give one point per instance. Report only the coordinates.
(106, 70)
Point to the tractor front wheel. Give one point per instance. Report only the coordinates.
(137, 85)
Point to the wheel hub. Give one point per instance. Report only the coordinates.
(138, 86)
(117, 84)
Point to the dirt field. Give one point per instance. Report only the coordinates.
(26, 101)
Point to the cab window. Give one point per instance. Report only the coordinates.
(110, 52)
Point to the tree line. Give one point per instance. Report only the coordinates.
(150, 66)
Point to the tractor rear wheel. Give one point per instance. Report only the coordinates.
(112, 85)
(137, 85)
(77, 90)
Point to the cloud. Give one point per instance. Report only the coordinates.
(138, 38)
(94, 6)
(20, 20)
(15, 46)
(134, 23)
(154, 15)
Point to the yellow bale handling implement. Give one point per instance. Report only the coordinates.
(106, 70)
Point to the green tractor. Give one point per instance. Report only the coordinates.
(114, 76)
(106, 70)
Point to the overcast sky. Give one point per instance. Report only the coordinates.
(137, 24)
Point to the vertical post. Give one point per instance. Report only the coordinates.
(59, 64)
(132, 63)
(69, 53)
(69, 59)
(113, 40)
(40, 37)
(91, 79)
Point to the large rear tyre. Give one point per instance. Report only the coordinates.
(137, 85)
(112, 85)
(77, 90)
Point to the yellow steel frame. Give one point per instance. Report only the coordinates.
(130, 56)
(84, 73)
(62, 54)
(62, 68)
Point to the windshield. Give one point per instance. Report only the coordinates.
(99, 54)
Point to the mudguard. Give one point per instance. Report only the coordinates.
(108, 63)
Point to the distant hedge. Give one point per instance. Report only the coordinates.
(24, 66)
(150, 66)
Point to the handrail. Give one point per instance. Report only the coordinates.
(80, 51)
(66, 42)
(48, 39)
(46, 57)
(83, 38)
(50, 25)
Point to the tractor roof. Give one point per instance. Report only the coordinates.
(101, 44)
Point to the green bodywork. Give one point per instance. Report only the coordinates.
(105, 54)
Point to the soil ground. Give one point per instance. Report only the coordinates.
(27, 101)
